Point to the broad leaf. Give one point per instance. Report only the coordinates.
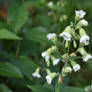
(17, 16)
(37, 34)
(9, 70)
(41, 88)
(5, 34)
(4, 88)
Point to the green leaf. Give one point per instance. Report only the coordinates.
(5, 34)
(17, 16)
(4, 88)
(37, 34)
(59, 88)
(72, 89)
(26, 65)
(41, 88)
(9, 70)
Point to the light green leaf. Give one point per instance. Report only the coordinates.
(5, 34)
(9, 70)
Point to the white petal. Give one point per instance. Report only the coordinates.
(66, 36)
(49, 79)
(84, 39)
(44, 54)
(86, 58)
(56, 61)
(47, 58)
(36, 75)
(80, 13)
(84, 22)
(51, 36)
(50, 4)
(76, 67)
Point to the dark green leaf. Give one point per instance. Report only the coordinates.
(9, 70)
(4, 88)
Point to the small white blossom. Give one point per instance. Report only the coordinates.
(36, 75)
(66, 36)
(45, 55)
(56, 61)
(84, 39)
(86, 58)
(50, 4)
(49, 79)
(80, 13)
(84, 22)
(86, 89)
(76, 67)
(51, 36)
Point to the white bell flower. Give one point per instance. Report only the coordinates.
(35, 74)
(49, 79)
(56, 61)
(50, 4)
(80, 13)
(66, 36)
(84, 22)
(87, 57)
(76, 67)
(84, 39)
(45, 55)
(51, 36)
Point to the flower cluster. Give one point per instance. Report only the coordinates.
(74, 35)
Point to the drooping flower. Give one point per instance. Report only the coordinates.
(80, 13)
(87, 57)
(55, 61)
(50, 76)
(49, 79)
(50, 4)
(45, 55)
(84, 22)
(76, 67)
(66, 36)
(84, 39)
(81, 50)
(36, 73)
(66, 69)
(51, 36)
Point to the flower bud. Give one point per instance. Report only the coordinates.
(66, 69)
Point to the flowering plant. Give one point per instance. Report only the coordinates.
(73, 35)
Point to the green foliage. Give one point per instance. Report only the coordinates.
(9, 70)
(5, 34)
